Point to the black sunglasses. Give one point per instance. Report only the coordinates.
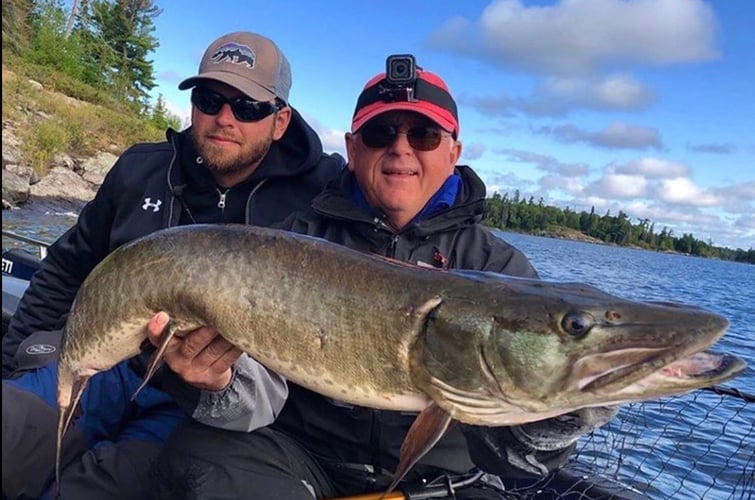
(244, 109)
(381, 135)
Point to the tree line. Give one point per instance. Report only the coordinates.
(97, 51)
(526, 215)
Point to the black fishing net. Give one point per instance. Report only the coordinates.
(697, 446)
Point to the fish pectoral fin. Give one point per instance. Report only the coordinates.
(169, 331)
(426, 430)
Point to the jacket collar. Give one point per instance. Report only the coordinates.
(337, 201)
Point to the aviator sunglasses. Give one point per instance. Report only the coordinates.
(381, 135)
(244, 109)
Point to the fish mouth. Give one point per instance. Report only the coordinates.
(600, 370)
(702, 369)
(657, 375)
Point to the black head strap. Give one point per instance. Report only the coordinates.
(421, 91)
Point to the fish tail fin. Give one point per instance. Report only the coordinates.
(429, 426)
(169, 332)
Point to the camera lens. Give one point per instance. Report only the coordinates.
(401, 68)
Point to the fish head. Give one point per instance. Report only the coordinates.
(532, 349)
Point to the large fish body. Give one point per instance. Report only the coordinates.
(485, 348)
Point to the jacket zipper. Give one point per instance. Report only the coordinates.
(221, 200)
(392, 249)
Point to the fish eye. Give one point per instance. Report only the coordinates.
(577, 324)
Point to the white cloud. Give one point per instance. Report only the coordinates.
(683, 191)
(614, 91)
(621, 91)
(571, 185)
(559, 96)
(473, 151)
(616, 135)
(747, 223)
(656, 168)
(546, 163)
(332, 139)
(621, 186)
(713, 148)
(580, 36)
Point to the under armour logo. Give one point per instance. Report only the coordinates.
(154, 206)
(40, 349)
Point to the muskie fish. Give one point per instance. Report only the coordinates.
(480, 348)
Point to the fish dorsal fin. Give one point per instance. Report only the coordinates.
(426, 430)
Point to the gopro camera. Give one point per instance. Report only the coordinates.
(401, 69)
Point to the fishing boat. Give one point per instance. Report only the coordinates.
(19, 263)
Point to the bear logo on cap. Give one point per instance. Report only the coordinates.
(234, 53)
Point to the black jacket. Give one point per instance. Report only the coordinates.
(453, 238)
(154, 186)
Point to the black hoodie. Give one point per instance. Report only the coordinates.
(149, 188)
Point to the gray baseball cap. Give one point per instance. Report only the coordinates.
(248, 62)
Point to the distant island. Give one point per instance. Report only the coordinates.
(522, 215)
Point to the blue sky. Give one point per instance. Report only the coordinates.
(645, 106)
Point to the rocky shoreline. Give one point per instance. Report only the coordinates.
(70, 183)
(69, 180)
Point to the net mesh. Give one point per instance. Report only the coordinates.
(697, 446)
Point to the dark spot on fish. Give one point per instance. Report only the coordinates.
(322, 338)
(613, 315)
(252, 302)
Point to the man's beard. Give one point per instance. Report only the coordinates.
(217, 159)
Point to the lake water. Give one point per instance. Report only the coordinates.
(694, 446)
